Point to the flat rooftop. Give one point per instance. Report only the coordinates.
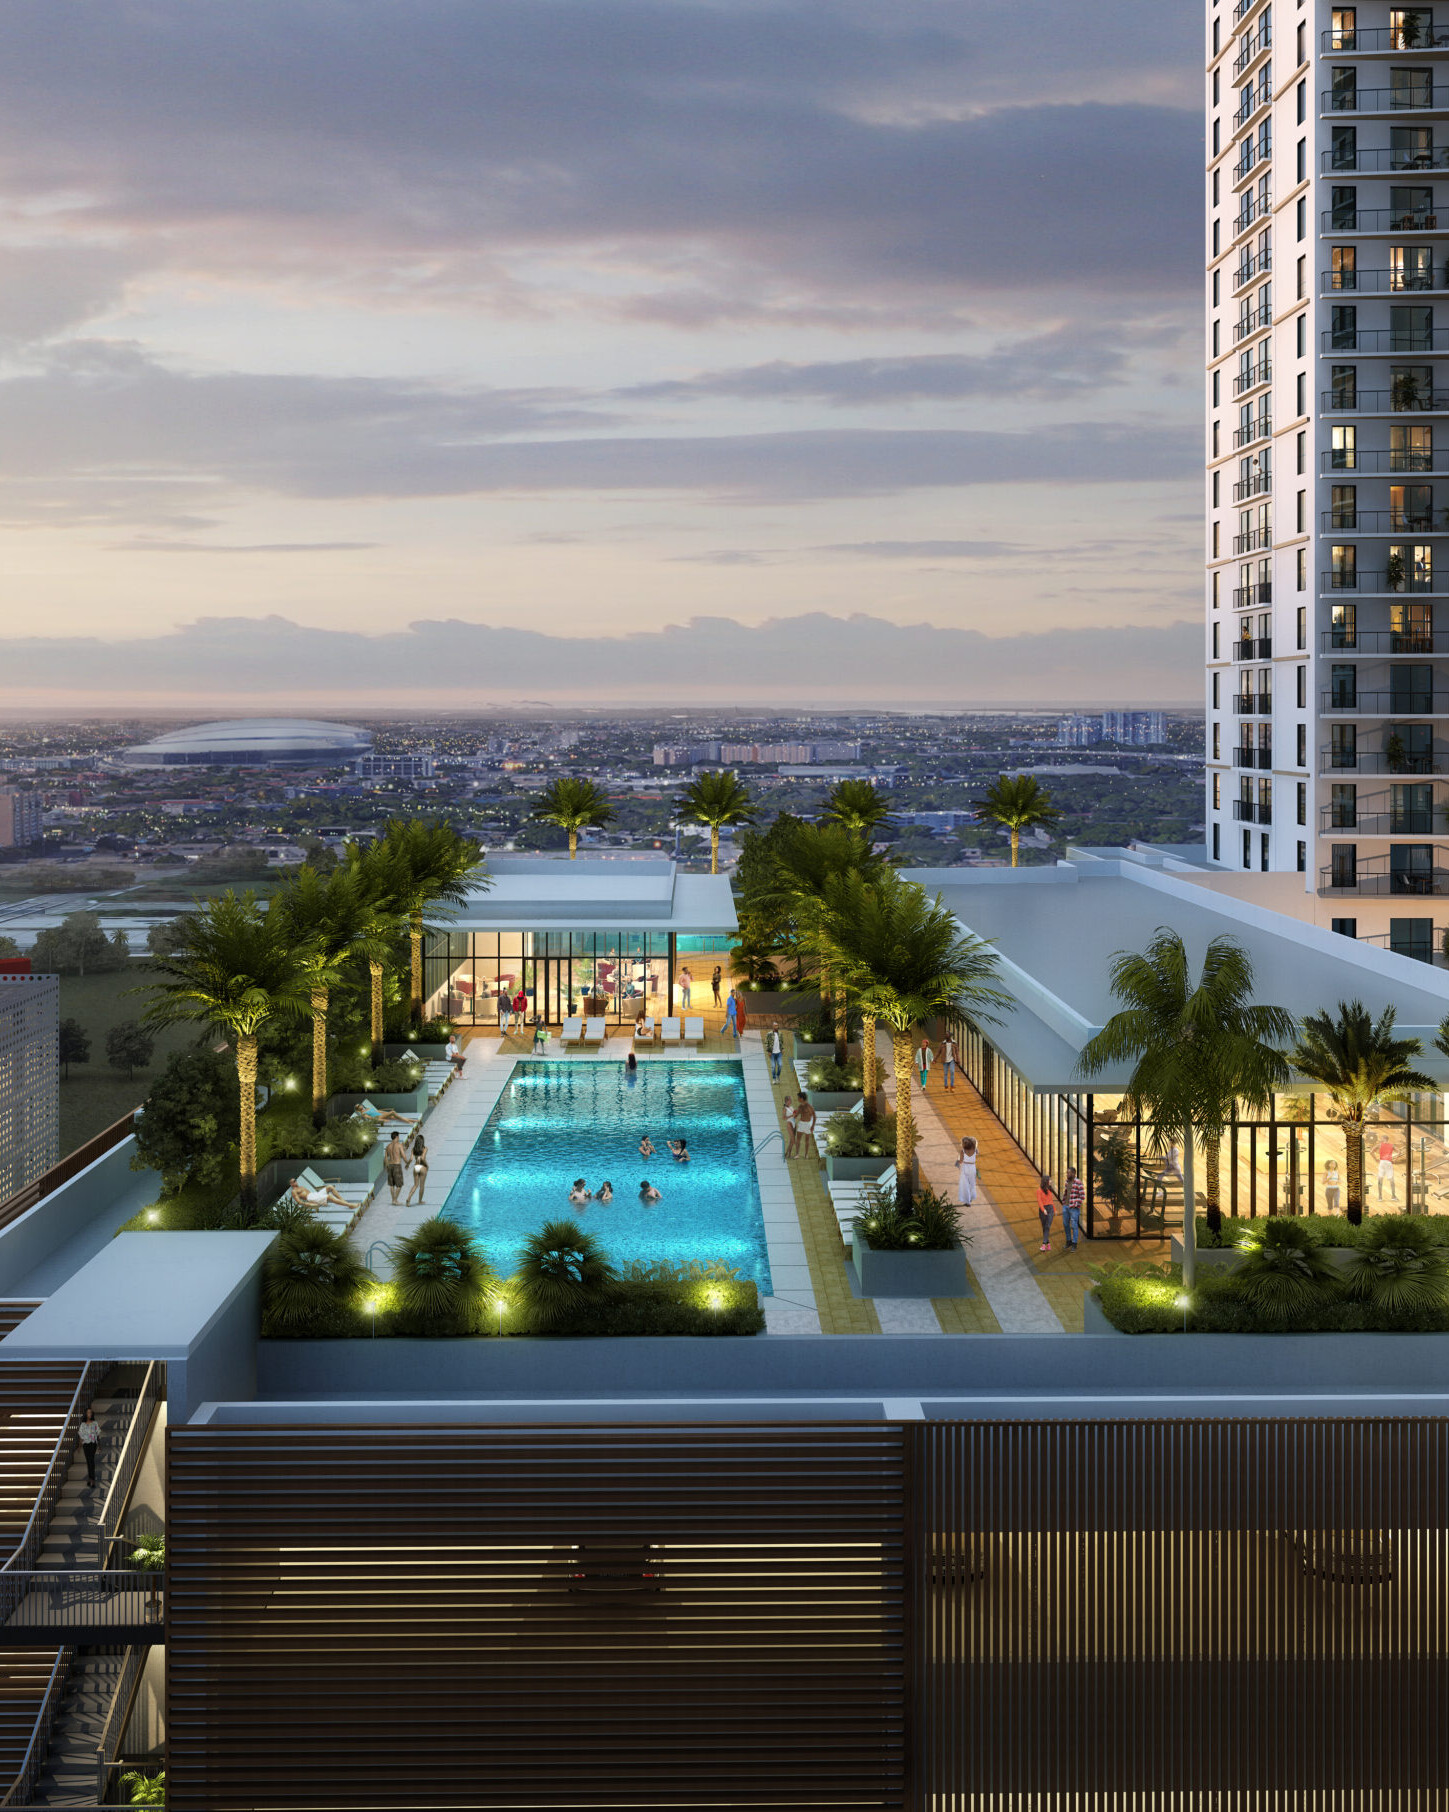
(529, 892)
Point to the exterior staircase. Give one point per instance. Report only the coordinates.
(69, 1776)
(70, 1540)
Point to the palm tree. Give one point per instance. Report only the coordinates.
(812, 859)
(1020, 803)
(1198, 1047)
(1359, 1063)
(859, 805)
(573, 805)
(232, 971)
(905, 955)
(435, 867)
(382, 919)
(323, 915)
(717, 798)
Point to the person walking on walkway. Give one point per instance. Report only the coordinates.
(966, 1173)
(1072, 1204)
(732, 1008)
(420, 1169)
(777, 1055)
(715, 980)
(948, 1063)
(1046, 1207)
(804, 1124)
(925, 1057)
(393, 1160)
(90, 1437)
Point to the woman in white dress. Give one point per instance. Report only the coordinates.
(966, 1173)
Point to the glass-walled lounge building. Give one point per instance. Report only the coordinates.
(1057, 929)
(612, 939)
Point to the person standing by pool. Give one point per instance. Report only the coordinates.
(804, 1123)
(520, 1008)
(505, 1011)
(715, 980)
(732, 1009)
(686, 985)
(925, 1057)
(777, 1055)
(420, 1169)
(789, 1112)
(393, 1159)
(966, 1173)
(948, 1062)
(540, 1039)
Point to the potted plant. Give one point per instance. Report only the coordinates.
(149, 1556)
(144, 1789)
(1394, 571)
(857, 1151)
(1394, 752)
(919, 1252)
(832, 1086)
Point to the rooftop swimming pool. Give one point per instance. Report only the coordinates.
(557, 1121)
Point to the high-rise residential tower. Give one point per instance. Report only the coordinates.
(1328, 511)
(29, 1077)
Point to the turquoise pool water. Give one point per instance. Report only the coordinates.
(557, 1121)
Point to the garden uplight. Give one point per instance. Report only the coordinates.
(715, 1299)
(153, 1215)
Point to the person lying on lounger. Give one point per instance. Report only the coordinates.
(316, 1198)
(383, 1114)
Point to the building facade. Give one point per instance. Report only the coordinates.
(29, 1079)
(1328, 693)
(19, 818)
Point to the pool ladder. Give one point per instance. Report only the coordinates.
(776, 1134)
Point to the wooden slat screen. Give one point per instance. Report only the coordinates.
(1108, 1614)
(562, 1617)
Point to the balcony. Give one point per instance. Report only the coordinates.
(1252, 209)
(1251, 322)
(1416, 704)
(1252, 758)
(1252, 541)
(1377, 823)
(1384, 522)
(1333, 764)
(1383, 283)
(1383, 461)
(1256, 486)
(1249, 162)
(1255, 648)
(1261, 373)
(1252, 48)
(1246, 812)
(1420, 952)
(1403, 399)
(1255, 104)
(1253, 704)
(1245, 595)
(1242, 9)
(1381, 220)
(1380, 160)
(1414, 98)
(1260, 428)
(1252, 267)
(1385, 340)
(1382, 40)
(1372, 585)
(1379, 642)
(1375, 877)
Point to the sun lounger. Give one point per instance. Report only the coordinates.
(694, 1031)
(369, 1112)
(644, 1030)
(669, 1034)
(594, 1031)
(573, 1032)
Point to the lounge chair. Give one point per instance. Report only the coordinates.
(594, 1031)
(669, 1033)
(573, 1032)
(644, 1030)
(694, 1031)
(373, 1115)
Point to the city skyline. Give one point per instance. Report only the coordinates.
(665, 334)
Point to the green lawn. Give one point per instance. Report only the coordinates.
(96, 1095)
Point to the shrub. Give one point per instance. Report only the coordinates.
(930, 1224)
(310, 1274)
(848, 1136)
(833, 1078)
(439, 1276)
(820, 1029)
(1400, 1268)
(563, 1272)
(144, 1789)
(671, 1271)
(634, 1308)
(395, 1077)
(1285, 1276)
(341, 1137)
(191, 1123)
(1323, 1229)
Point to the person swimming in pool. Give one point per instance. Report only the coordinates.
(648, 1193)
(646, 1147)
(679, 1151)
(579, 1194)
(605, 1192)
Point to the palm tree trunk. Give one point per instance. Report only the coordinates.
(1015, 843)
(714, 849)
(842, 1026)
(1189, 1216)
(319, 1055)
(1353, 1155)
(905, 1119)
(415, 973)
(375, 969)
(573, 843)
(867, 1066)
(246, 1076)
(1212, 1158)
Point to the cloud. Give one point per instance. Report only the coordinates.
(789, 659)
(148, 545)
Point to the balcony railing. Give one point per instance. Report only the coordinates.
(1260, 373)
(1253, 104)
(1244, 595)
(1381, 160)
(1374, 877)
(1251, 322)
(1252, 758)
(1364, 642)
(1400, 399)
(1373, 460)
(1242, 9)
(1379, 283)
(1385, 522)
(1261, 40)
(1253, 266)
(1382, 220)
(1255, 648)
(1367, 584)
(1416, 950)
(1253, 704)
(1255, 486)
(1333, 762)
(80, 1607)
(1247, 811)
(1420, 98)
(1252, 209)
(1260, 428)
(1383, 704)
(1379, 824)
(1366, 40)
(1252, 541)
(1385, 339)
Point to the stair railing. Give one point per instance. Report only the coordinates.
(33, 1761)
(118, 1717)
(128, 1461)
(28, 1547)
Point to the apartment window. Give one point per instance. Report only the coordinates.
(1302, 855)
(1343, 332)
(1217, 843)
(1302, 43)
(1215, 490)
(1216, 290)
(1302, 570)
(1302, 278)
(1302, 512)
(1216, 653)
(1302, 332)
(1247, 849)
(1217, 742)
(1217, 590)
(1302, 408)
(1217, 241)
(1216, 331)
(1263, 851)
(1303, 160)
(1343, 388)
(1302, 688)
(1343, 265)
(1344, 155)
(1302, 102)
(1217, 143)
(1345, 927)
(1216, 397)
(1302, 803)
(1302, 750)
(1302, 217)
(1217, 792)
(1302, 450)
(1215, 440)
(1217, 87)
(1215, 188)
(1217, 694)
(1217, 531)
(1343, 453)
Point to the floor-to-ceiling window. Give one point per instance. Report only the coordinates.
(613, 975)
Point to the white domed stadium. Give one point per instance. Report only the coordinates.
(253, 742)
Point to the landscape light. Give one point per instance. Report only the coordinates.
(153, 1215)
(500, 1303)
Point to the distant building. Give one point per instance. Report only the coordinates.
(253, 742)
(29, 1078)
(418, 765)
(1079, 732)
(19, 818)
(1135, 729)
(935, 821)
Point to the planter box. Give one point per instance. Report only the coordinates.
(430, 1053)
(807, 1053)
(1210, 1258)
(792, 1004)
(855, 1170)
(909, 1273)
(412, 1103)
(1094, 1321)
(831, 1101)
(274, 1177)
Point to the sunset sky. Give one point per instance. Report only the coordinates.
(653, 333)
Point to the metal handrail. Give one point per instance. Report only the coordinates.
(119, 1715)
(92, 1588)
(128, 1461)
(19, 1791)
(29, 1544)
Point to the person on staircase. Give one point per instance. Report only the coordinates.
(90, 1437)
